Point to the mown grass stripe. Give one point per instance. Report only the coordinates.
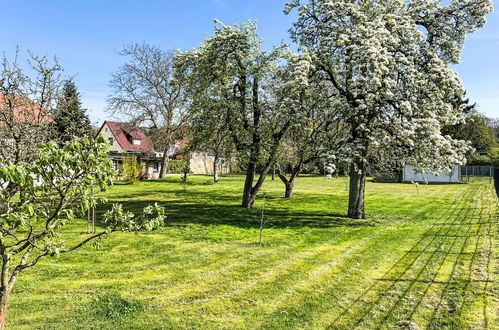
(446, 218)
(431, 274)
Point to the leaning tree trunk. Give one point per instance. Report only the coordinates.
(358, 173)
(164, 164)
(250, 191)
(215, 169)
(3, 306)
(248, 196)
(289, 184)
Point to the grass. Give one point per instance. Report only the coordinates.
(426, 260)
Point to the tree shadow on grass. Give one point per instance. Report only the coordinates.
(192, 212)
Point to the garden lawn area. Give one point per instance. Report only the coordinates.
(426, 259)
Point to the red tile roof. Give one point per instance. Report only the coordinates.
(24, 110)
(125, 133)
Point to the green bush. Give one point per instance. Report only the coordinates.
(131, 169)
(480, 161)
(176, 166)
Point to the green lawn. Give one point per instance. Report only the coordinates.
(420, 260)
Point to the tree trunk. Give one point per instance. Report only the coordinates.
(289, 190)
(3, 307)
(358, 173)
(250, 192)
(289, 184)
(248, 197)
(215, 169)
(164, 163)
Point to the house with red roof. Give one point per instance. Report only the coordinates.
(127, 140)
(130, 140)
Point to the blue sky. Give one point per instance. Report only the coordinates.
(86, 36)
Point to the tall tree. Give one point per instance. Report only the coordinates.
(388, 63)
(144, 92)
(57, 188)
(238, 84)
(28, 96)
(70, 120)
(316, 132)
(476, 130)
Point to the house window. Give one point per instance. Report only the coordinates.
(136, 142)
(155, 166)
(111, 141)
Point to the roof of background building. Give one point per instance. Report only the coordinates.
(124, 135)
(23, 110)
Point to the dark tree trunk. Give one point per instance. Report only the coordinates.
(164, 164)
(358, 173)
(248, 196)
(289, 190)
(250, 191)
(3, 307)
(215, 169)
(289, 184)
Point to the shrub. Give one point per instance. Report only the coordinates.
(494, 156)
(131, 169)
(481, 161)
(176, 166)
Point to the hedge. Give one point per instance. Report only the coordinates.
(176, 166)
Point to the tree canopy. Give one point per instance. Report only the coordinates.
(29, 88)
(71, 120)
(252, 94)
(388, 64)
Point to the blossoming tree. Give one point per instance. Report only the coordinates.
(253, 94)
(315, 132)
(388, 64)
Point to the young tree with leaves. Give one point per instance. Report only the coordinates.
(131, 169)
(144, 92)
(388, 64)
(70, 120)
(56, 189)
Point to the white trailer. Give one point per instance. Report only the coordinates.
(410, 175)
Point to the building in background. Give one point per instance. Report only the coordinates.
(410, 175)
(128, 140)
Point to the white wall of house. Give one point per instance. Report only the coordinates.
(410, 174)
(106, 132)
(153, 168)
(202, 163)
